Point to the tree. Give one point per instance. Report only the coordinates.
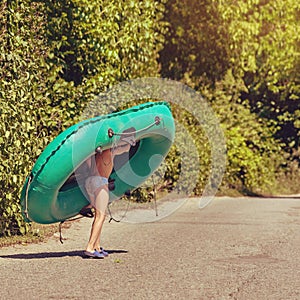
(233, 53)
(196, 49)
(265, 45)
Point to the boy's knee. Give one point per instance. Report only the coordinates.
(99, 213)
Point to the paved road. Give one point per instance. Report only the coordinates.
(232, 249)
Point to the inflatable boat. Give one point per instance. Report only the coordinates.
(54, 191)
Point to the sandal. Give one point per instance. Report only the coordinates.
(87, 212)
(94, 254)
(104, 252)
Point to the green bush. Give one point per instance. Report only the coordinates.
(23, 121)
(56, 56)
(242, 56)
(253, 155)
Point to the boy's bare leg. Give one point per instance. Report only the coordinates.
(97, 243)
(100, 205)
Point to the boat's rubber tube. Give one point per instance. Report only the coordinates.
(50, 195)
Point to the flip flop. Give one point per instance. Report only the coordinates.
(87, 212)
(104, 252)
(94, 254)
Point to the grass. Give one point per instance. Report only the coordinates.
(287, 184)
(38, 233)
(283, 184)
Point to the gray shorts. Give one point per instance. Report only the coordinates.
(93, 183)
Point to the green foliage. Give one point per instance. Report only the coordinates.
(99, 43)
(243, 56)
(190, 141)
(55, 57)
(252, 153)
(265, 47)
(21, 128)
(196, 44)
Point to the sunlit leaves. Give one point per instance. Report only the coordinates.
(244, 57)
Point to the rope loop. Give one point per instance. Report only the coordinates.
(26, 195)
(156, 122)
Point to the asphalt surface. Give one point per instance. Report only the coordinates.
(232, 249)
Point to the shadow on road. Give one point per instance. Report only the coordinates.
(54, 254)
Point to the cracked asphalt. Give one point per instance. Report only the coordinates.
(235, 248)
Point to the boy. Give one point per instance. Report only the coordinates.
(101, 166)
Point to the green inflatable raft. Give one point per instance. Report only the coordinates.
(54, 191)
